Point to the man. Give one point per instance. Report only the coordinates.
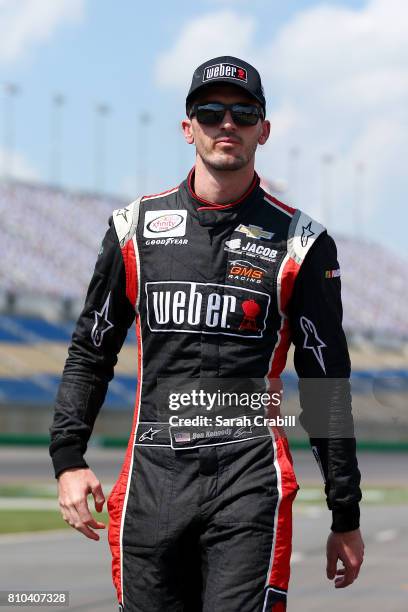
(221, 278)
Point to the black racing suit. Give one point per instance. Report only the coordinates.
(200, 517)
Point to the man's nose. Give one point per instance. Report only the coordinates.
(228, 121)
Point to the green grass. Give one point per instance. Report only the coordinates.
(25, 520)
(371, 495)
(16, 521)
(26, 491)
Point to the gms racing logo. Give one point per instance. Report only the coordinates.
(207, 308)
(225, 70)
(246, 271)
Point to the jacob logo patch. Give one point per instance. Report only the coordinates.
(164, 223)
(252, 249)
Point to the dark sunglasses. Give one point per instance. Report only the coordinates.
(213, 113)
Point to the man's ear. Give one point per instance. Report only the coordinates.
(266, 130)
(187, 128)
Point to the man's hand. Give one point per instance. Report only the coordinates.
(349, 548)
(74, 485)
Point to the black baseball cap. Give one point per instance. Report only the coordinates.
(231, 70)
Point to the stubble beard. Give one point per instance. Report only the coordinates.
(227, 163)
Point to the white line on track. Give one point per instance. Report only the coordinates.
(387, 535)
(34, 536)
(33, 503)
(297, 557)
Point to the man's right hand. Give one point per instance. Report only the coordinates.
(74, 486)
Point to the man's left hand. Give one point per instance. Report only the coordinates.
(348, 547)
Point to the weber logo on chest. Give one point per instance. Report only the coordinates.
(206, 308)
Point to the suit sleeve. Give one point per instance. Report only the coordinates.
(97, 339)
(322, 363)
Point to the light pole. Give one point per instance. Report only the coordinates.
(142, 148)
(180, 148)
(11, 91)
(101, 112)
(293, 173)
(58, 101)
(327, 161)
(359, 174)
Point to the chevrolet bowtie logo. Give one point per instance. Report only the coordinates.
(254, 231)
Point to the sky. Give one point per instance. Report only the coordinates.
(335, 75)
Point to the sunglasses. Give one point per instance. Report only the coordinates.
(213, 113)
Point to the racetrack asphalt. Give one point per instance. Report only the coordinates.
(68, 561)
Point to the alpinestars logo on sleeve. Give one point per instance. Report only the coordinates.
(306, 234)
(102, 323)
(312, 340)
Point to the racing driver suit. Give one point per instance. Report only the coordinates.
(203, 521)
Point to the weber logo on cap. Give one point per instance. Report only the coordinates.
(225, 70)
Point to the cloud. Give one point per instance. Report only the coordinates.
(344, 78)
(18, 167)
(214, 34)
(363, 53)
(25, 23)
(336, 80)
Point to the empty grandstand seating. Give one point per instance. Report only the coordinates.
(32, 355)
(50, 238)
(374, 288)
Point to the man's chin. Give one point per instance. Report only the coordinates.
(227, 163)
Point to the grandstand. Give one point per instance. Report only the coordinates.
(46, 260)
(32, 355)
(50, 238)
(374, 289)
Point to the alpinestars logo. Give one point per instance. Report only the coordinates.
(307, 233)
(207, 308)
(225, 70)
(312, 340)
(102, 323)
(149, 435)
